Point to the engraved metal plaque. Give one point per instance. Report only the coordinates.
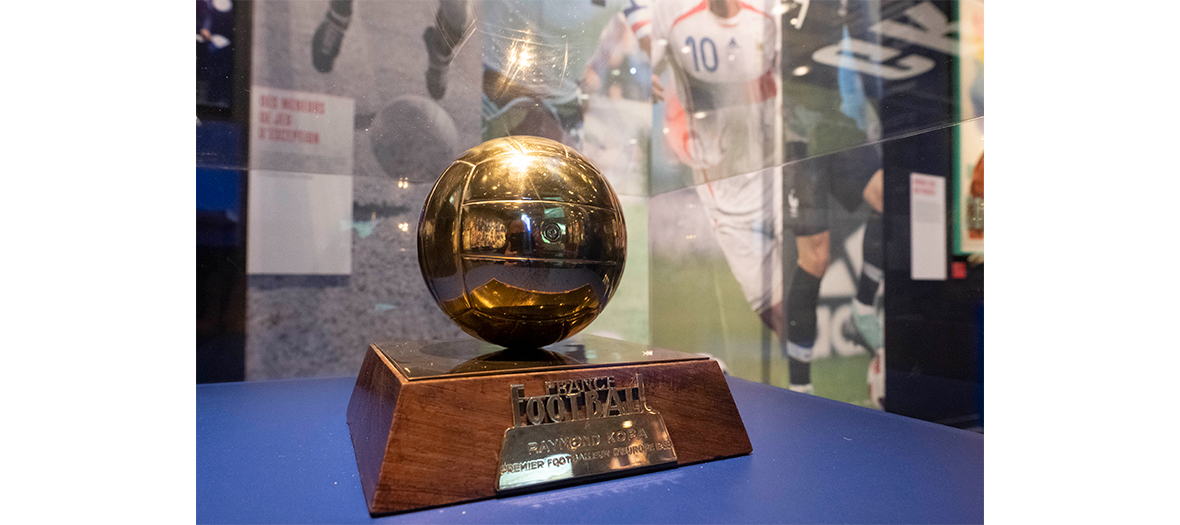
(581, 428)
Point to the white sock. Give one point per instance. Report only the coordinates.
(862, 309)
(806, 389)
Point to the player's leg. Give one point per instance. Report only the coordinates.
(864, 316)
(807, 214)
(325, 43)
(742, 212)
(774, 315)
(868, 330)
(774, 318)
(450, 24)
(801, 302)
(857, 179)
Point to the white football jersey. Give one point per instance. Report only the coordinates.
(726, 80)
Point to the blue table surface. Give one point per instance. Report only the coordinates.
(279, 452)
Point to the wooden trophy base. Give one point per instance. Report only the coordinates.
(441, 423)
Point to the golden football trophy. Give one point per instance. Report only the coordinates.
(522, 244)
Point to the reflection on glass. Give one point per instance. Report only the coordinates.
(766, 117)
(702, 302)
(540, 58)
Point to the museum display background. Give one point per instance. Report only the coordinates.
(310, 186)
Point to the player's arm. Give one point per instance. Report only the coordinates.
(639, 19)
(874, 192)
(609, 42)
(610, 38)
(655, 43)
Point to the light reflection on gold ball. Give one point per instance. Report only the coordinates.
(522, 242)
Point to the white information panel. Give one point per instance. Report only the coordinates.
(299, 223)
(299, 131)
(927, 227)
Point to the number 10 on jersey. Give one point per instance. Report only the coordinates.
(704, 54)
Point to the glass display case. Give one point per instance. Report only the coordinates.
(802, 181)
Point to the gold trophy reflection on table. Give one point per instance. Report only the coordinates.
(522, 243)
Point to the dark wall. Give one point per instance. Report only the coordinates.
(222, 109)
(933, 329)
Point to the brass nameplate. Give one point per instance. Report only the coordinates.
(581, 427)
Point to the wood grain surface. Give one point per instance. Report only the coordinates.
(432, 442)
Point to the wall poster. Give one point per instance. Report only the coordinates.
(968, 179)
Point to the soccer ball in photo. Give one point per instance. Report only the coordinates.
(876, 380)
(414, 138)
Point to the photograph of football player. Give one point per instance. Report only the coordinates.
(416, 157)
(829, 121)
(399, 141)
(329, 35)
(721, 122)
(722, 53)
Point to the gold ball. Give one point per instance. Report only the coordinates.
(522, 242)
